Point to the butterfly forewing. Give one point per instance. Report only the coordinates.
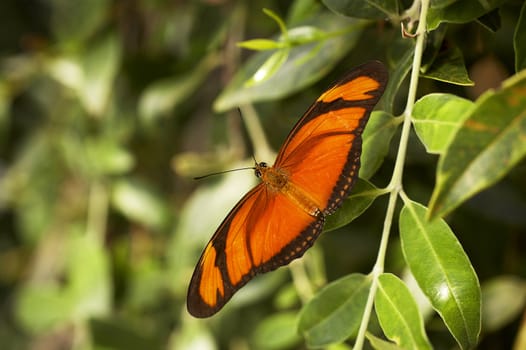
(322, 152)
(273, 225)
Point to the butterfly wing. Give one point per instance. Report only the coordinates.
(260, 234)
(266, 229)
(322, 152)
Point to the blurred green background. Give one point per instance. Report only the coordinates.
(106, 114)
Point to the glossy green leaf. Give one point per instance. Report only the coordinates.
(376, 141)
(272, 64)
(295, 73)
(449, 67)
(443, 272)
(361, 9)
(362, 196)
(460, 12)
(485, 148)
(398, 314)
(278, 331)
(519, 41)
(503, 300)
(437, 117)
(335, 312)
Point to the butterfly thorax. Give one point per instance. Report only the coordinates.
(277, 180)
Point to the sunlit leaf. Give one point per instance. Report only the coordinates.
(295, 73)
(269, 67)
(485, 148)
(443, 272)
(335, 312)
(398, 314)
(381, 344)
(437, 117)
(261, 44)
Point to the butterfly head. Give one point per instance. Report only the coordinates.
(260, 168)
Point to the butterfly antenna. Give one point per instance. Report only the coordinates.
(222, 172)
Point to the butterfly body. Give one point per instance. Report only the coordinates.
(280, 218)
(277, 181)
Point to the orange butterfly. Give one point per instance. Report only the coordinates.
(280, 218)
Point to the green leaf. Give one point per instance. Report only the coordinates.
(485, 148)
(380, 344)
(436, 118)
(74, 22)
(261, 44)
(376, 141)
(443, 271)
(269, 67)
(503, 300)
(335, 312)
(278, 331)
(449, 67)
(277, 19)
(519, 41)
(362, 196)
(434, 44)
(361, 9)
(305, 65)
(99, 64)
(402, 66)
(491, 20)
(138, 202)
(398, 314)
(460, 11)
(106, 157)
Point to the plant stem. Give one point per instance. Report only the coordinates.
(97, 211)
(395, 185)
(256, 133)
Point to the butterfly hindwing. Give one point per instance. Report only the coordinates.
(261, 233)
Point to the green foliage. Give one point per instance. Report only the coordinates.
(109, 108)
